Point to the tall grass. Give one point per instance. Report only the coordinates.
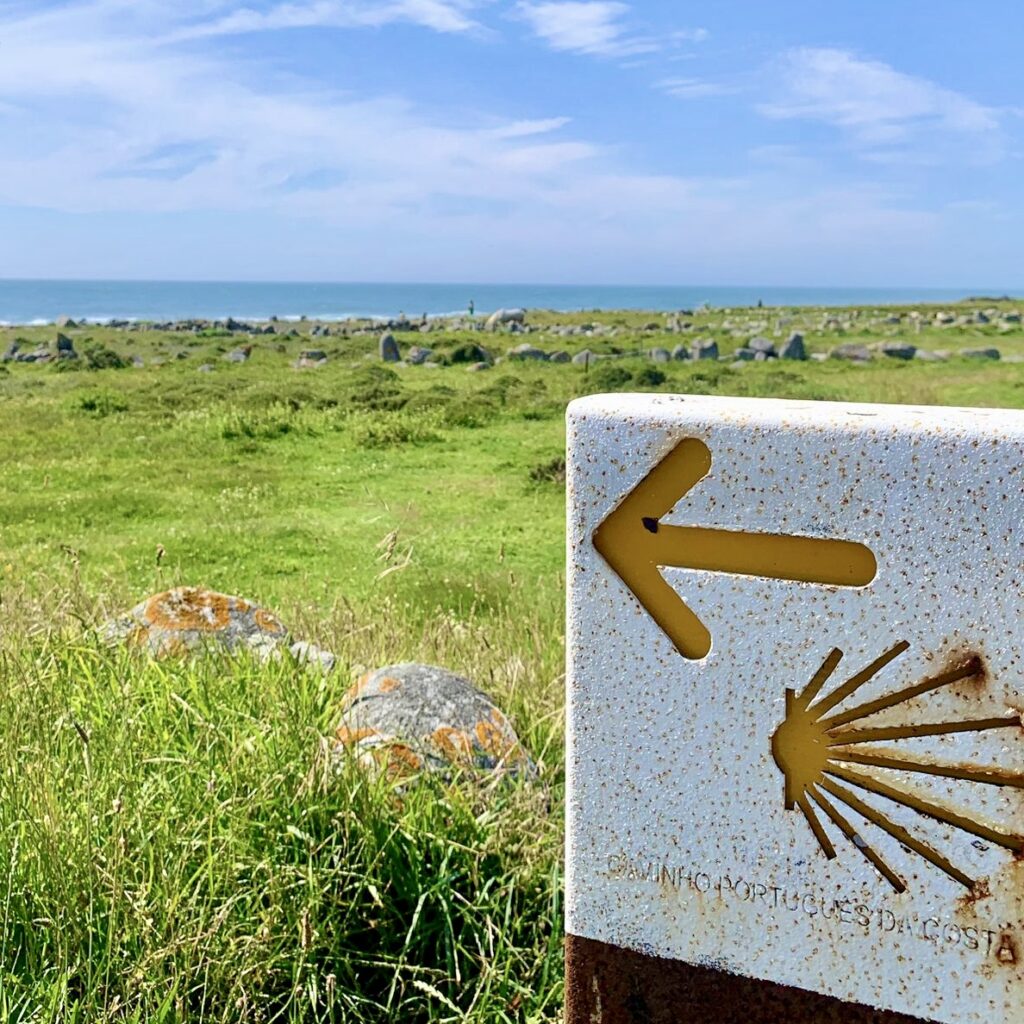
(181, 844)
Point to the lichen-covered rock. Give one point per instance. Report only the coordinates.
(189, 618)
(408, 718)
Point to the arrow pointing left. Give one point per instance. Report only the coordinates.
(635, 543)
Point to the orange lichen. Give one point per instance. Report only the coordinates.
(347, 736)
(388, 683)
(398, 759)
(188, 608)
(355, 691)
(454, 744)
(267, 622)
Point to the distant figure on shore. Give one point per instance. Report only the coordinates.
(471, 307)
(760, 304)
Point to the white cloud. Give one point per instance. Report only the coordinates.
(876, 105)
(693, 88)
(439, 15)
(583, 26)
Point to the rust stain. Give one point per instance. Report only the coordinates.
(1006, 951)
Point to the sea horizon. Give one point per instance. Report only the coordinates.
(27, 302)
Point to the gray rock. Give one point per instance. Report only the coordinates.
(65, 347)
(763, 357)
(239, 355)
(205, 368)
(743, 355)
(897, 349)
(1011, 318)
(851, 352)
(311, 358)
(65, 321)
(980, 318)
(760, 344)
(980, 353)
(501, 317)
(680, 353)
(12, 352)
(704, 349)
(793, 347)
(527, 351)
(418, 355)
(477, 367)
(659, 355)
(310, 655)
(191, 618)
(388, 348)
(584, 357)
(927, 356)
(408, 718)
(559, 357)
(138, 362)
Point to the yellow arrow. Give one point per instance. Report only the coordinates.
(633, 541)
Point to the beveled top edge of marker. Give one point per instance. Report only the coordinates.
(854, 416)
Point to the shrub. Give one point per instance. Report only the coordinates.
(389, 429)
(608, 377)
(649, 377)
(100, 403)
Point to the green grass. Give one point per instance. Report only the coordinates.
(176, 845)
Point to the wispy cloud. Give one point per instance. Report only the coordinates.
(597, 27)
(693, 88)
(439, 15)
(877, 106)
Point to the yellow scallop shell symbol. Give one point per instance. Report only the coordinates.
(816, 745)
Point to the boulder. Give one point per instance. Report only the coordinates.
(190, 618)
(851, 352)
(388, 348)
(680, 353)
(505, 316)
(559, 357)
(659, 355)
(760, 344)
(239, 355)
(527, 351)
(310, 358)
(12, 352)
(897, 349)
(980, 353)
(408, 718)
(793, 347)
(1011, 318)
(584, 357)
(65, 347)
(927, 356)
(418, 355)
(704, 349)
(205, 368)
(743, 355)
(65, 322)
(477, 367)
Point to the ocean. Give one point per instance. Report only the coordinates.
(26, 302)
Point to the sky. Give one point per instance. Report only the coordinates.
(849, 142)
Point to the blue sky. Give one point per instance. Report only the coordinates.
(596, 141)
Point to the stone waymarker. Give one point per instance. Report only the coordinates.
(795, 689)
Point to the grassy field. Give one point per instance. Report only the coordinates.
(175, 845)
